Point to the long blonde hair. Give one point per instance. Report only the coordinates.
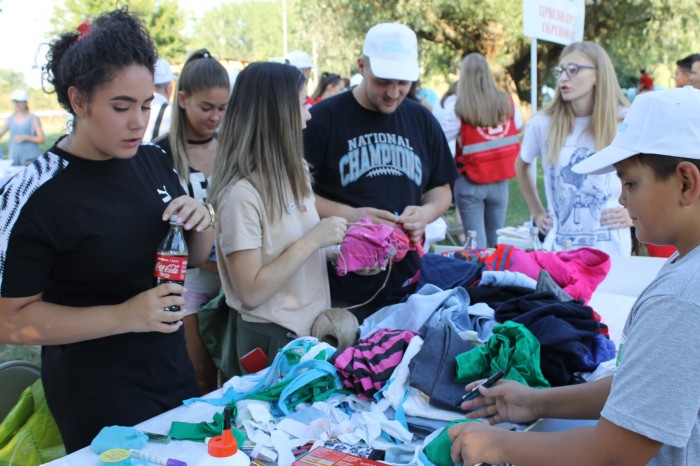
(607, 100)
(479, 102)
(201, 71)
(261, 138)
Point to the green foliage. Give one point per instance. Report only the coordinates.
(10, 80)
(253, 31)
(163, 19)
(649, 34)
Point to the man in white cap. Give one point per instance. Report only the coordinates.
(159, 121)
(301, 60)
(373, 153)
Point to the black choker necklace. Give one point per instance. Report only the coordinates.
(201, 141)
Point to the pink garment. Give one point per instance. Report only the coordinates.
(367, 244)
(578, 272)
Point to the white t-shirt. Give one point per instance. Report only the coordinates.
(156, 104)
(243, 225)
(575, 201)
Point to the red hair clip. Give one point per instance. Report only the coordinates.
(84, 29)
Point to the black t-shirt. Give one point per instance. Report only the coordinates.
(85, 233)
(364, 158)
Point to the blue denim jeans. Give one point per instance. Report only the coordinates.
(482, 208)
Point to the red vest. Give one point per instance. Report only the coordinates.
(487, 155)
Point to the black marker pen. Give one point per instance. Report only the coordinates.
(488, 383)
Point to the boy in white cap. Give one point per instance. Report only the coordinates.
(373, 153)
(302, 60)
(649, 411)
(159, 120)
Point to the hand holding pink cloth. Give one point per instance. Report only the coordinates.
(372, 245)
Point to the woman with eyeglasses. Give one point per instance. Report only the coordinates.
(583, 118)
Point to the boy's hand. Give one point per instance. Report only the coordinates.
(475, 442)
(506, 401)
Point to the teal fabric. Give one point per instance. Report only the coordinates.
(118, 437)
(512, 349)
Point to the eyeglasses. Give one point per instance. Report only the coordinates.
(571, 70)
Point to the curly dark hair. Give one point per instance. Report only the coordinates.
(115, 41)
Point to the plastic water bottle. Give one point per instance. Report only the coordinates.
(471, 240)
(223, 450)
(533, 242)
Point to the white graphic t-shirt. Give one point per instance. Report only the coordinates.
(576, 201)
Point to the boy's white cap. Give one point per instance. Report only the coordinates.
(392, 49)
(300, 59)
(20, 95)
(163, 73)
(665, 122)
(355, 80)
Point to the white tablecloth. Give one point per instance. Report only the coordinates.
(612, 299)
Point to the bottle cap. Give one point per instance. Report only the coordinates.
(115, 457)
(223, 445)
(471, 232)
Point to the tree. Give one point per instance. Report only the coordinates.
(637, 34)
(163, 19)
(10, 79)
(253, 30)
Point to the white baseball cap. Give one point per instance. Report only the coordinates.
(20, 95)
(163, 73)
(392, 49)
(665, 122)
(299, 59)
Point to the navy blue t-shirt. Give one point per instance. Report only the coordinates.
(364, 158)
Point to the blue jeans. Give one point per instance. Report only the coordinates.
(482, 208)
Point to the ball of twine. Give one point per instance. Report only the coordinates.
(336, 326)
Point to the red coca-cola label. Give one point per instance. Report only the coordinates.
(170, 267)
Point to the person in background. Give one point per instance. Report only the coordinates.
(658, 161)
(443, 111)
(86, 220)
(683, 67)
(329, 85)
(409, 186)
(481, 115)
(695, 72)
(201, 98)
(302, 61)
(271, 245)
(426, 96)
(646, 83)
(159, 121)
(581, 120)
(26, 132)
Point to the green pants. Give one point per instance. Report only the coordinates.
(267, 336)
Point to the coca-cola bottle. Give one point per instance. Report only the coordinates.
(171, 258)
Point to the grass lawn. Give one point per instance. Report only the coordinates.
(517, 214)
